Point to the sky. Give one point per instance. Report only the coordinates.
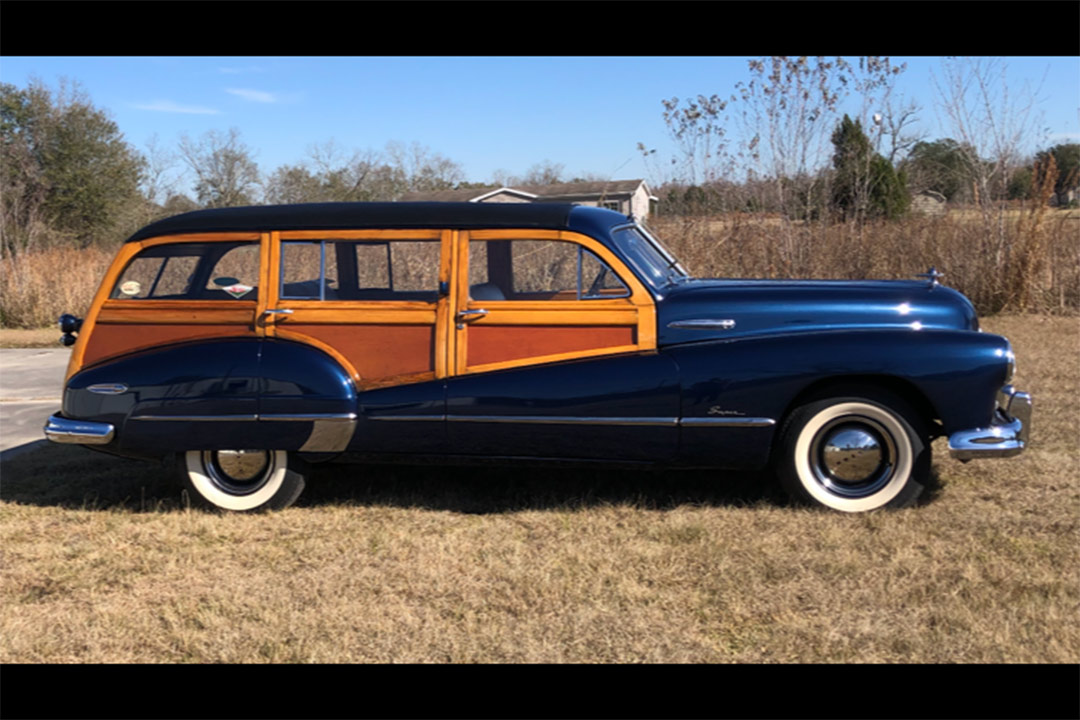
(587, 114)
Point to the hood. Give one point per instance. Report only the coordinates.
(698, 308)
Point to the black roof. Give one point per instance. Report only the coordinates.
(339, 216)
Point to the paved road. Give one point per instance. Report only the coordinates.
(31, 382)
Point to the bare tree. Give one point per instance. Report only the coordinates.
(159, 178)
(503, 178)
(898, 120)
(225, 172)
(987, 119)
(544, 173)
(991, 122)
(422, 169)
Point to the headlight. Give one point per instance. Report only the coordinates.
(1010, 358)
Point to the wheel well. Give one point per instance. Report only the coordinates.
(897, 386)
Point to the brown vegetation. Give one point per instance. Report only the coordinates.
(1037, 268)
(37, 287)
(103, 563)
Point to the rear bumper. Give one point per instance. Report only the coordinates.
(1007, 435)
(82, 432)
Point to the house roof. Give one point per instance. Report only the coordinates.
(556, 190)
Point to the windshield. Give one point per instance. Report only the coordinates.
(653, 262)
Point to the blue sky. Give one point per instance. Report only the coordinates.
(486, 113)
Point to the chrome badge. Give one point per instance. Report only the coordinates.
(108, 388)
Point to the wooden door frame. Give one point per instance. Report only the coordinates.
(361, 312)
(637, 311)
(106, 310)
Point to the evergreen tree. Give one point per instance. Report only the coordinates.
(67, 170)
(1067, 160)
(865, 184)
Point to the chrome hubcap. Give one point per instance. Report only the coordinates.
(853, 456)
(239, 472)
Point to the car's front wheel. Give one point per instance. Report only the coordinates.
(854, 453)
(242, 480)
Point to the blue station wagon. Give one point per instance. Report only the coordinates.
(254, 342)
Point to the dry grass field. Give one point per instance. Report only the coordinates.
(102, 562)
(27, 338)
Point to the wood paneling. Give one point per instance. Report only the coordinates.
(110, 340)
(375, 351)
(496, 344)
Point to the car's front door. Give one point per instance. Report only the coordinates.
(553, 352)
(377, 301)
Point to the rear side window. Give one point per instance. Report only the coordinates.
(192, 271)
(360, 270)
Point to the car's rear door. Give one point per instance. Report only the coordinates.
(370, 299)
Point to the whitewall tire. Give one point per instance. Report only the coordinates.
(854, 453)
(242, 480)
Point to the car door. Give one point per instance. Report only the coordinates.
(174, 289)
(376, 301)
(554, 352)
(182, 290)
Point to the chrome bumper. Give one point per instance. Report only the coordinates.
(1007, 436)
(82, 432)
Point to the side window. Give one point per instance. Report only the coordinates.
(192, 271)
(360, 270)
(308, 271)
(539, 270)
(236, 273)
(598, 280)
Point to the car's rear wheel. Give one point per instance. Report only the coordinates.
(242, 480)
(854, 452)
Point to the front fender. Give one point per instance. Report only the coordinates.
(957, 372)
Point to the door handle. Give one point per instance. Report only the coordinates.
(282, 311)
(464, 316)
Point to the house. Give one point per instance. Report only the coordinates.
(929, 202)
(629, 197)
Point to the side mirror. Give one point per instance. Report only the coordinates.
(69, 323)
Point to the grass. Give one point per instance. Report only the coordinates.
(30, 338)
(102, 561)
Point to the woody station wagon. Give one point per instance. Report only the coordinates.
(255, 341)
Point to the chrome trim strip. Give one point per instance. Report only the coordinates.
(81, 432)
(270, 417)
(304, 417)
(109, 388)
(728, 422)
(440, 418)
(703, 324)
(587, 420)
(565, 420)
(198, 418)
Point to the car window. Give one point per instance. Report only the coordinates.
(191, 271)
(236, 273)
(360, 270)
(308, 271)
(539, 270)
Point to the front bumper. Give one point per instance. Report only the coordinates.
(1007, 435)
(60, 429)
